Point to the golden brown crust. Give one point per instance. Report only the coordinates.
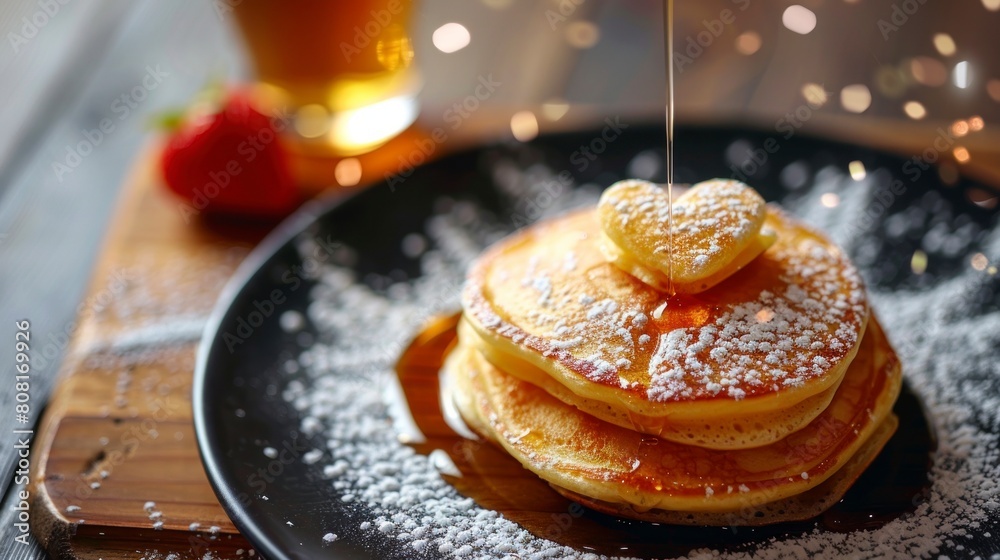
(736, 430)
(799, 507)
(577, 452)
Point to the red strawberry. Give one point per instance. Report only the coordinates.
(230, 162)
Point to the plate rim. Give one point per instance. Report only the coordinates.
(253, 264)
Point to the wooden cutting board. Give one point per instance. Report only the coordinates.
(118, 431)
(116, 470)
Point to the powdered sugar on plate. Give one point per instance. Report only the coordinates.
(946, 337)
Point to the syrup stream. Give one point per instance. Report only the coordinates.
(668, 55)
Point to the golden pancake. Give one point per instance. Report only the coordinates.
(799, 507)
(545, 304)
(582, 455)
(734, 431)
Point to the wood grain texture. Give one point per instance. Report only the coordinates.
(118, 432)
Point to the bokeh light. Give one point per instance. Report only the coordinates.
(555, 109)
(524, 125)
(857, 169)
(928, 71)
(915, 110)
(961, 154)
(312, 120)
(891, 81)
(582, 34)
(451, 37)
(961, 75)
(993, 89)
(799, 19)
(944, 44)
(348, 172)
(979, 261)
(856, 98)
(918, 262)
(959, 128)
(814, 94)
(748, 42)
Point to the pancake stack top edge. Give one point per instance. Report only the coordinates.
(777, 329)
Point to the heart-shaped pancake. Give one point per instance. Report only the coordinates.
(718, 229)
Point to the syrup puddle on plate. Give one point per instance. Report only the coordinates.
(894, 484)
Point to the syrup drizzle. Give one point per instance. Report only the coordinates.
(668, 55)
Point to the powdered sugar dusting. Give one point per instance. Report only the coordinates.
(776, 340)
(947, 344)
(711, 215)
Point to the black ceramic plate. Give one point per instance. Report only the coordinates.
(237, 404)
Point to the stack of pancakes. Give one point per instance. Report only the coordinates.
(723, 371)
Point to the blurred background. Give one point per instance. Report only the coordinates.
(356, 88)
(882, 73)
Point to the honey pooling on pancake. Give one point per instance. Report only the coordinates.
(748, 356)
